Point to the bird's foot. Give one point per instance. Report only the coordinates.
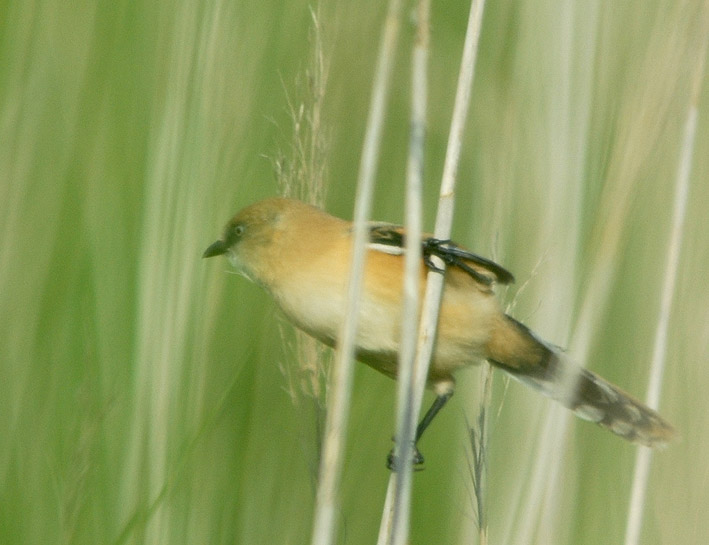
(417, 460)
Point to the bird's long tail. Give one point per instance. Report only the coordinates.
(514, 348)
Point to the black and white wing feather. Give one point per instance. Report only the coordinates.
(390, 239)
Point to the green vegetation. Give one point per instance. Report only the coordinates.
(147, 396)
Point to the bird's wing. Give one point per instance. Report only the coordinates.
(390, 239)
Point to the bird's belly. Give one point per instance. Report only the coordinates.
(321, 312)
(463, 331)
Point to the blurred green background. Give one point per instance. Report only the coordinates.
(147, 396)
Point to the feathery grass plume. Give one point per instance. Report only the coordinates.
(478, 439)
(479, 436)
(302, 174)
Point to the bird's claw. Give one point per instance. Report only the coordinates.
(416, 461)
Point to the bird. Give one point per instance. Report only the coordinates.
(300, 255)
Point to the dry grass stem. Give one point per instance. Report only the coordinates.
(401, 481)
(341, 385)
(434, 286)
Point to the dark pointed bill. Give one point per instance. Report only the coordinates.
(218, 248)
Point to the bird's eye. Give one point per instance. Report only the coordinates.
(233, 233)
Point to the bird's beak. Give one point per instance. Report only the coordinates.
(218, 248)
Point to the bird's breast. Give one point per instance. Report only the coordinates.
(318, 306)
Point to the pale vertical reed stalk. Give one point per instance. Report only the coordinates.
(341, 385)
(643, 456)
(401, 481)
(444, 217)
(444, 220)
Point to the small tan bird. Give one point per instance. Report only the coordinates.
(301, 256)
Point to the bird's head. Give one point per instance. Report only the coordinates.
(257, 237)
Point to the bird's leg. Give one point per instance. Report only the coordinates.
(430, 413)
(418, 460)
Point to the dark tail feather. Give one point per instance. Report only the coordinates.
(518, 351)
